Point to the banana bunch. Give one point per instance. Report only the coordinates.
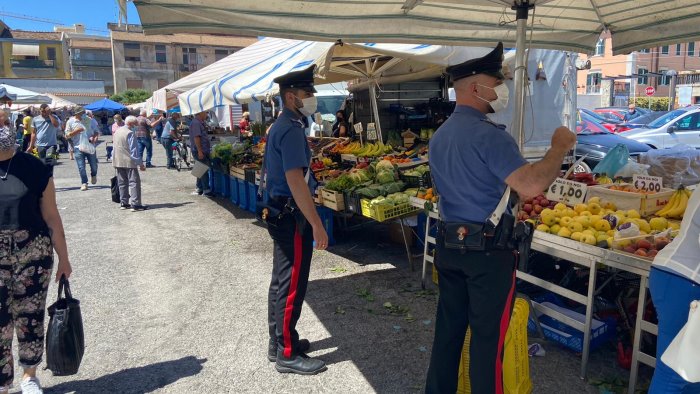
(675, 208)
(604, 179)
(349, 148)
(374, 150)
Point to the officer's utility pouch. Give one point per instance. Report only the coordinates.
(464, 236)
(503, 237)
(268, 213)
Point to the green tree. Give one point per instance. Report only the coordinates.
(131, 96)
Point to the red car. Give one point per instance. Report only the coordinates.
(600, 119)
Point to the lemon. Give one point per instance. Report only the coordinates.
(548, 218)
(554, 229)
(580, 208)
(610, 242)
(594, 208)
(584, 220)
(601, 238)
(588, 239)
(658, 224)
(594, 200)
(633, 214)
(560, 207)
(565, 221)
(588, 231)
(602, 225)
(575, 227)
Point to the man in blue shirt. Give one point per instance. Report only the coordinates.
(44, 133)
(201, 147)
(168, 136)
(472, 161)
(287, 179)
(631, 114)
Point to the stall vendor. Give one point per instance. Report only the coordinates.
(288, 180)
(475, 162)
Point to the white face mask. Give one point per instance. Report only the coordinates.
(501, 100)
(309, 105)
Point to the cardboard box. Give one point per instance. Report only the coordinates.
(645, 204)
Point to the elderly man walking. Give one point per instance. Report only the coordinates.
(127, 162)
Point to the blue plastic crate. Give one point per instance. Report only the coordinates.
(326, 215)
(211, 180)
(225, 189)
(252, 196)
(242, 193)
(420, 230)
(215, 180)
(233, 190)
(556, 331)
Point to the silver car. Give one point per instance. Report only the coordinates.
(681, 126)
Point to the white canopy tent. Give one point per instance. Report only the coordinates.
(23, 96)
(5, 96)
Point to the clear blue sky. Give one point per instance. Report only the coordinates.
(94, 14)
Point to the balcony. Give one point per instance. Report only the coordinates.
(188, 67)
(32, 63)
(92, 62)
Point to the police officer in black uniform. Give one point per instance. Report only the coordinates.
(472, 161)
(295, 224)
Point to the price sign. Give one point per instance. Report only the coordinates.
(358, 128)
(371, 132)
(567, 192)
(317, 118)
(652, 184)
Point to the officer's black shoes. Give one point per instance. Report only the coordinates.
(302, 347)
(300, 364)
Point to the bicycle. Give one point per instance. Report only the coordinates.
(180, 154)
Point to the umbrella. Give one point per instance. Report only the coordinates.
(23, 96)
(104, 104)
(573, 25)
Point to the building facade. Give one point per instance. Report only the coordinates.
(151, 62)
(33, 54)
(629, 75)
(90, 56)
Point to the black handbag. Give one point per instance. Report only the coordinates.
(114, 185)
(65, 342)
(464, 236)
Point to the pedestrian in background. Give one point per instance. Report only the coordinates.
(77, 128)
(169, 136)
(201, 148)
(30, 231)
(127, 163)
(44, 133)
(27, 129)
(244, 124)
(143, 137)
(157, 124)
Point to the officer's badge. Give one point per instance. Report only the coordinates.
(265, 213)
(462, 232)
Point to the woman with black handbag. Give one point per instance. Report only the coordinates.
(30, 230)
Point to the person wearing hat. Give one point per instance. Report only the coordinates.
(200, 144)
(288, 181)
(244, 124)
(477, 160)
(75, 127)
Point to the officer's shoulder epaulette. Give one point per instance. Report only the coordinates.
(491, 122)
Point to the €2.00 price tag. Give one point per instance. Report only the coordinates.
(652, 184)
(371, 132)
(567, 192)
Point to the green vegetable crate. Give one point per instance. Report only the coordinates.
(381, 213)
(333, 200)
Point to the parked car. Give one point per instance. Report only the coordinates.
(681, 126)
(606, 122)
(596, 141)
(639, 122)
(618, 113)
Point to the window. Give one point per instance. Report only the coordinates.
(78, 75)
(642, 76)
(664, 50)
(90, 75)
(162, 83)
(664, 79)
(132, 52)
(221, 53)
(51, 53)
(691, 49)
(76, 53)
(593, 82)
(689, 122)
(161, 54)
(645, 50)
(134, 84)
(678, 49)
(189, 55)
(600, 47)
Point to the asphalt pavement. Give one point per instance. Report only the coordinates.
(174, 301)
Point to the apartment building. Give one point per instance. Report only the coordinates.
(151, 62)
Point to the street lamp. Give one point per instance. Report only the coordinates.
(672, 89)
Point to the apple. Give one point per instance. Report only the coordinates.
(661, 242)
(537, 209)
(652, 253)
(630, 249)
(528, 201)
(527, 208)
(644, 244)
(641, 252)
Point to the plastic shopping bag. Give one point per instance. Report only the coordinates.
(616, 158)
(682, 354)
(85, 145)
(65, 343)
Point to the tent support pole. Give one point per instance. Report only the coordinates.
(522, 7)
(375, 109)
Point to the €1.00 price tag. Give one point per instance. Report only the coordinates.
(567, 192)
(652, 184)
(358, 128)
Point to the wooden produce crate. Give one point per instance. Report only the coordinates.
(645, 204)
(237, 172)
(333, 200)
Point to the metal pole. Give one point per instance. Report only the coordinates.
(375, 109)
(672, 89)
(520, 80)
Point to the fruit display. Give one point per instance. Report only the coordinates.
(643, 246)
(676, 205)
(427, 194)
(626, 187)
(359, 150)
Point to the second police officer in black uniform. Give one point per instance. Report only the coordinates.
(472, 162)
(293, 222)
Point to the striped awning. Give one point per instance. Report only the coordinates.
(25, 50)
(573, 25)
